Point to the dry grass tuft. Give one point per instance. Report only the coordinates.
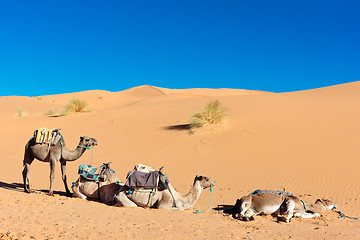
(50, 112)
(213, 113)
(21, 112)
(76, 106)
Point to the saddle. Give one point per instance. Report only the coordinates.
(93, 173)
(48, 136)
(278, 192)
(151, 180)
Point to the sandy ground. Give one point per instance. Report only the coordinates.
(306, 142)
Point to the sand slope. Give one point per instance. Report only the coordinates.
(305, 142)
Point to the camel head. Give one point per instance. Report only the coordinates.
(242, 205)
(327, 203)
(205, 182)
(87, 142)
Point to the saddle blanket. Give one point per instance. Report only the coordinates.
(90, 172)
(278, 192)
(136, 179)
(44, 135)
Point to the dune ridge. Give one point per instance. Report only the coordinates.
(305, 142)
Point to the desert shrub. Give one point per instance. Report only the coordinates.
(213, 113)
(75, 106)
(50, 112)
(21, 112)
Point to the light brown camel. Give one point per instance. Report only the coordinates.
(273, 204)
(104, 191)
(53, 154)
(165, 199)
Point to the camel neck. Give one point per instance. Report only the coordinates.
(194, 193)
(72, 155)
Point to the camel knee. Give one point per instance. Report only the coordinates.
(123, 201)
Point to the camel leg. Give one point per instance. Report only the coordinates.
(307, 215)
(28, 159)
(248, 215)
(123, 200)
(63, 172)
(52, 175)
(26, 178)
(77, 191)
(290, 206)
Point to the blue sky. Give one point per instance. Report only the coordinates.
(51, 47)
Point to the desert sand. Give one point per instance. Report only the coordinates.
(306, 142)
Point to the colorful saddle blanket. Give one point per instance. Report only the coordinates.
(90, 172)
(136, 179)
(48, 136)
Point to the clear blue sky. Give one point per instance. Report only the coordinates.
(50, 47)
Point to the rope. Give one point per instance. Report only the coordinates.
(88, 146)
(92, 151)
(151, 196)
(197, 211)
(304, 205)
(345, 216)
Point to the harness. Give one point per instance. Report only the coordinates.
(89, 147)
(160, 186)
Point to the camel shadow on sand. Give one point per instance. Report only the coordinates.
(226, 209)
(19, 187)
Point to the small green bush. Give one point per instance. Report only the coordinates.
(75, 106)
(213, 113)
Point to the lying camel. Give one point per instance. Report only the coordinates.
(273, 204)
(165, 199)
(103, 191)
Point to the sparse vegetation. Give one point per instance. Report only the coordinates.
(76, 106)
(50, 112)
(21, 112)
(213, 113)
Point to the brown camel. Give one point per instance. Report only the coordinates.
(104, 191)
(274, 204)
(53, 154)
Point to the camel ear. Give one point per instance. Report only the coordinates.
(81, 138)
(199, 177)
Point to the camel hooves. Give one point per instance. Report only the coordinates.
(246, 219)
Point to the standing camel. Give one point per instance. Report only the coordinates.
(53, 154)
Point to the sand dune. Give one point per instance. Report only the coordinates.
(305, 142)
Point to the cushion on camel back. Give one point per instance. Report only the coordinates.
(137, 179)
(90, 172)
(44, 135)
